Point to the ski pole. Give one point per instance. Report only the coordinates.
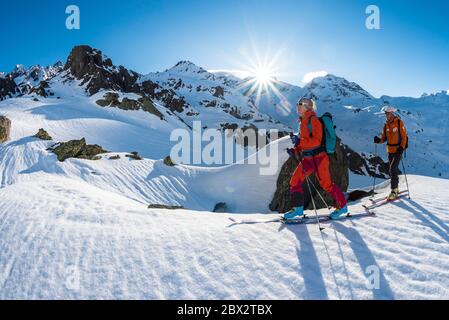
(313, 202)
(321, 196)
(374, 182)
(406, 181)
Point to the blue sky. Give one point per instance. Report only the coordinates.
(408, 56)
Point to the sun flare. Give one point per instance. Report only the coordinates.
(260, 70)
(263, 76)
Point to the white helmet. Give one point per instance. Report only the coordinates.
(388, 109)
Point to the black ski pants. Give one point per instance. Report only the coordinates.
(394, 160)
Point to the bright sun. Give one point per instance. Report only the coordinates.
(263, 76)
(260, 73)
(260, 80)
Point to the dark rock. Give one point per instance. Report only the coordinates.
(8, 87)
(221, 207)
(163, 206)
(43, 135)
(339, 169)
(77, 149)
(167, 96)
(169, 162)
(357, 195)
(116, 157)
(5, 129)
(134, 155)
(91, 151)
(98, 72)
(362, 164)
(129, 104)
(42, 89)
(211, 104)
(112, 99)
(148, 106)
(218, 92)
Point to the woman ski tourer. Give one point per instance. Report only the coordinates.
(309, 148)
(395, 134)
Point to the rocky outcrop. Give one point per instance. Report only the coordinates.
(111, 99)
(98, 72)
(5, 129)
(362, 164)
(77, 149)
(7, 87)
(42, 89)
(134, 155)
(218, 92)
(43, 135)
(169, 162)
(167, 96)
(163, 206)
(339, 168)
(221, 207)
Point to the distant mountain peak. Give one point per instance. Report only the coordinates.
(186, 66)
(332, 86)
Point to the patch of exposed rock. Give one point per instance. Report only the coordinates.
(77, 149)
(43, 135)
(5, 129)
(111, 99)
(163, 206)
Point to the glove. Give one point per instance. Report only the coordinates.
(295, 140)
(291, 152)
(376, 139)
(400, 149)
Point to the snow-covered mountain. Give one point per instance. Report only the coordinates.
(82, 228)
(186, 93)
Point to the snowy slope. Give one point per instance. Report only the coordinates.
(66, 238)
(81, 229)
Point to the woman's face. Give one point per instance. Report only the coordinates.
(389, 116)
(301, 109)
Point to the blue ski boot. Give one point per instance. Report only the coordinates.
(295, 214)
(338, 213)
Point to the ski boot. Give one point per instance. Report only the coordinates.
(393, 195)
(295, 214)
(338, 213)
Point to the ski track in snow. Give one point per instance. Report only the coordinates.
(88, 221)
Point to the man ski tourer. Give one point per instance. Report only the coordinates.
(310, 148)
(395, 134)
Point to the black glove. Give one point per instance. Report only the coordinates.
(400, 149)
(376, 139)
(291, 152)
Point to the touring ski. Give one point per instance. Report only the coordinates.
(305, 220)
